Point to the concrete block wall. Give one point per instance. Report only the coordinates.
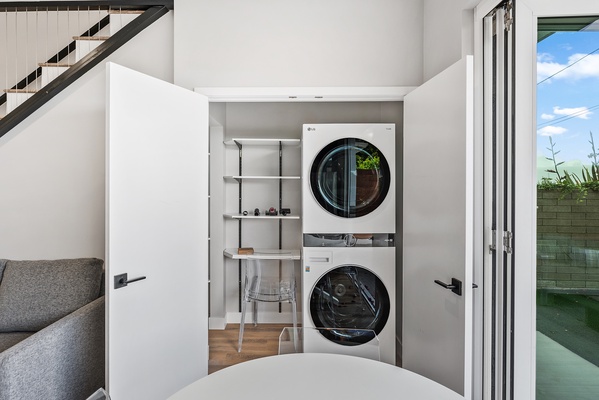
(567, 240)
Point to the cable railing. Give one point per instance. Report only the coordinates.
(48, 45)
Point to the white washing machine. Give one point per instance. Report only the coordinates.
(348, 178)
(349, 288)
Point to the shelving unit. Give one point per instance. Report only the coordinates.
(240, 179)
(265, 254)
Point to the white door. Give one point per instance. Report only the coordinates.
(157, 228)
(438, 228)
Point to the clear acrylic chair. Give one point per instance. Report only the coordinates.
(271, 281)
(349, 341)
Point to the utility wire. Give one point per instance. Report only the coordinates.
(568, 66)
(573, 115)
(568, 116)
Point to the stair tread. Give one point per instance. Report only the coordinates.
(55, 65)
(91, 37)
(21, 90)
(125, 11)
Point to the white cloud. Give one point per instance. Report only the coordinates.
(547, 117)
(577, 112)
(544, 57)
(551, 130)
(587, 67)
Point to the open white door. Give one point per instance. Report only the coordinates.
(157, 228)
(438, 228)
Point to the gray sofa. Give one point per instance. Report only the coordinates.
(51, 329)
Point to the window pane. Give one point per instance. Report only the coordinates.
(568, 209)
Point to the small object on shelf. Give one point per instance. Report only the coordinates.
(271, 211)
(245, 213)
(245, 250)
(285, 211)
(256, 212)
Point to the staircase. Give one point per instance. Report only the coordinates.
(109, 22)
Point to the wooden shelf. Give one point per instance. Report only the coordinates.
(91, 38)
(265, 254)
(241, 216)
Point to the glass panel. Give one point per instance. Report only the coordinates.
(349, 297)
(350, 178)
(568, 209)
(291, 340)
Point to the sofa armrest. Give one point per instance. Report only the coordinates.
(65, 360)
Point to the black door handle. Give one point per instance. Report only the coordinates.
(455, 285)
(122, 281)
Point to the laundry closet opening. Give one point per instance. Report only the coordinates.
(250, 141)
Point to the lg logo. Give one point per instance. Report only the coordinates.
(311, 129)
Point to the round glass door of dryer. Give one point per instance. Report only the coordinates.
(350, 177)
(353, 300)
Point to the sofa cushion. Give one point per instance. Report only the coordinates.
(34, 294)
(9, 339)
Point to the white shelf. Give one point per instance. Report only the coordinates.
(265, 254)
(241, 216)
(261, 177)
(262, 142)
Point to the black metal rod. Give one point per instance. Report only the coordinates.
(280, 206)
(240, 225)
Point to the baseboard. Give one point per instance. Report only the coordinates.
(217, 323)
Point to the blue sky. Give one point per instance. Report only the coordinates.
(568, 102)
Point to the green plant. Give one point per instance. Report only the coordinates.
(368, 159)
(567, 182)
(553, 158)
(594, 154)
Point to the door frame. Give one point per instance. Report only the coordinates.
(524, 319)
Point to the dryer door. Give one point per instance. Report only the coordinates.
(350, 177)
(350, 297)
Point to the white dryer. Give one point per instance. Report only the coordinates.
(348, 179)
(349, 288)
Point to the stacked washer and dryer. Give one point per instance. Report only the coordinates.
(348, 212)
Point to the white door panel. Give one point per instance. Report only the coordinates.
(438, 227)
(157, 227)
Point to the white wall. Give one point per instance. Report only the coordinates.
(52, 164)
(298, 43)
(448, 33)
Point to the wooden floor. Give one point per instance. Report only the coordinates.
(259, 341)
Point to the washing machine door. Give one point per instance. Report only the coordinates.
(349, 297)
(350, 177)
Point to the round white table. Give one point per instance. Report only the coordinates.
(307, 376)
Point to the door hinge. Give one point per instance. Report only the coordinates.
(493, 246)
(507, 242)
(508, 17)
